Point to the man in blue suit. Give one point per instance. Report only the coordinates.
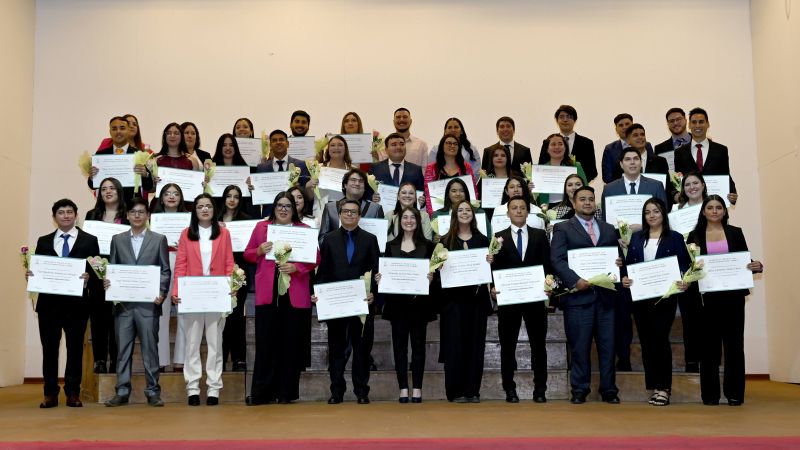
(611, 169)
(589, 311)
(632, 181)
(396, 170)
(279, 161)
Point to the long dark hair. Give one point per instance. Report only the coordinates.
(490, 166)
(566, 161)
(194, 233)
(308, 206)
(683, 198)
(238, 213)
(159, 202)
(181, 146)
(463, 138)
(238, 159)
(249, 123)
(440, 162)
(285, 194)
(100, 206)
(450, 240)
(526, 193)
(665, 230)
(186, 125)
(565, 200)
(418, 236)
(137, 140)
(447, 204)
(397, 206)
(702, 222)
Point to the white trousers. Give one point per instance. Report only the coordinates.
(195, 324)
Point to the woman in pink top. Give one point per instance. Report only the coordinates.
(278, 360)
(449, 163)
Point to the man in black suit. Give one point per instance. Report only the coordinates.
(676, 123)
(611, 169)
(523, 246)
(396, 170)
(118, 129)
(57, 313)
(299, 123)
(279, 161)
(654, 166)
(632, 181)
(701, 154)
(347, 253)
(505, 132)
(579, 146)
(588, 312)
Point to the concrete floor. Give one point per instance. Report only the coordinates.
(772, 409)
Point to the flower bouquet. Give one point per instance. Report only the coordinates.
(314, 167)
(99, 265)
(139, 158)
(85, 164)
(438, 257)
(695, 272)
(319, 147)
(372, 182)
(378, 146)
(237, 282)
(482, 174)
(367, 288)
(676, 178)
(625, 233)
(294, 175)
(25, 255)
(547, 215)
(282, 252)
(209, 168)
(152, 166)
(495, 245)
(264, 145)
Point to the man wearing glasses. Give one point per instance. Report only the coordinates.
(354, 185)
(581, 147)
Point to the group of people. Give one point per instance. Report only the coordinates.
(529, 237)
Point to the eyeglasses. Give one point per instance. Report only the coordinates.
(349, 212)
(204, 207)
(137, 212)
(283, 206)
(674, 121)
(451, 143)
(565, 117)
(355, 180)
(172, 194)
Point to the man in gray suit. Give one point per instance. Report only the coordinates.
(632, 182)
(354, 185)
(140, 247)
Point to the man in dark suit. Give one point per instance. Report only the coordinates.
(653, 165)
(57, 313)
(396, 170)
(354, 184)
(632, 181)
(141, 247)
(347, 253)
(611, 169)
(299, 123)
(701, 154)
(523, 246)
(279, 161)
(505, 132)
(579, 146)
(118, 128)
(676, 123)
(589, 311)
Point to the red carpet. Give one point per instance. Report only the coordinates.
(557, 443)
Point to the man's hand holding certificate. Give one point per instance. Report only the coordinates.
(54, 275)
(129, 283)
(341, 299)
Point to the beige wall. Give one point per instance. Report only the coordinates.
(17, 23)
(776, 44)
(211, 62)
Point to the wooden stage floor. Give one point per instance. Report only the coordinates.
(771, 409)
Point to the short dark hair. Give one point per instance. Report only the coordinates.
(348, 201)
(635, 126)
(185, 125)
(504, 119)
(118, 118)
(627, 150)
(567, 109)
(621, 116)
(393, 136)
(140, 201)
(300, 113)
(401, 109)
(249, 123)
(64, 203)
(673, 111)
(354, 171)
(698, 111)
(585, 187)
(522, 199)
(274, 132)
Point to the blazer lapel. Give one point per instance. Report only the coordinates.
(214, 248)
(576, 224)
(148, 238)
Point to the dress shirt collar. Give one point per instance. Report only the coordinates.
(684, 139)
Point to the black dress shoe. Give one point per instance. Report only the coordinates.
(403, 399)
(711, 403)
(539, 398)
(212, 401)
(335, 400)
(100, 366)
(416, 399)
(511, 396)
(611, 399)
(734, 402)
(50, 401)
(461, 400)
(692, 367)
(74, 401)
(578, 399)
(624, 366)
(240, 366)
(475, 399)
(363, 400)
(193, 400)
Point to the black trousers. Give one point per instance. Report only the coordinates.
(723, 330)
(72, 321)
(623, 327)
(101, 315)
(509, 320)
(691, 311)
(463, 341)
(653, 323)
(234, 335)
(276, 369)
(339, 331)
(402, 329)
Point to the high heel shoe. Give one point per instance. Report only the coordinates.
(416, 399)
(403, 399)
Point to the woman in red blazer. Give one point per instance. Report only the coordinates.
(279, 356)
(204, 249)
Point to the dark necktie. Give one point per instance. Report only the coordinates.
(508, 147)
(65, 247)
(633, 189)
(566, 144)
(350, 247)
(699, 157)
(280, 166)
(396, 174)
(519, 242)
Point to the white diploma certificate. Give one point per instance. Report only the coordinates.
(588, 262)
(626, 207)
(240, 231)
(492, 192)
(331, 179)
(359, 146)
(466, 268)
(670, 157)
(130, 283)
(480, 219)
(54, 275)
(104, 232)
(304, 242)
(250, 149)
(190, 181)
(684, 220)
(388, 195)
(660, 177)
(436, 189)
(224, 176)
(267, 185)
(170, 225)
(378, 227)
(302, 147)
(720, 185)
(653, 279)
(341, 299)
(726, 272)
(550, 179)
(404, 276)
(114, 166)
(204, 294)
(521, 285)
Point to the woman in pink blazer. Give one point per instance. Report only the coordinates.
(204, 249)
(278, 360)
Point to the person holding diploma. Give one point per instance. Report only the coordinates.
(409, 315)
(61, 313)
(109, 208)
(654, 316)
(278, 360)
(308, 211)
(192, 138)
(589, 311)
(395, 169)
(449, 163)
(134, 135)
(354, 185)
(204, 249)
(517, 187)
(120, 145)
(351, 124)
(722, 317)
(279, 161)
(522, 246)
(470, 153)
(407, 198)
(243, 128)
(174, 153)
(455, 192)
(139, 246)
(693, 190)
(227, 154)
(336, 154)
(463, 315)
(347, 253)
(558, 156)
